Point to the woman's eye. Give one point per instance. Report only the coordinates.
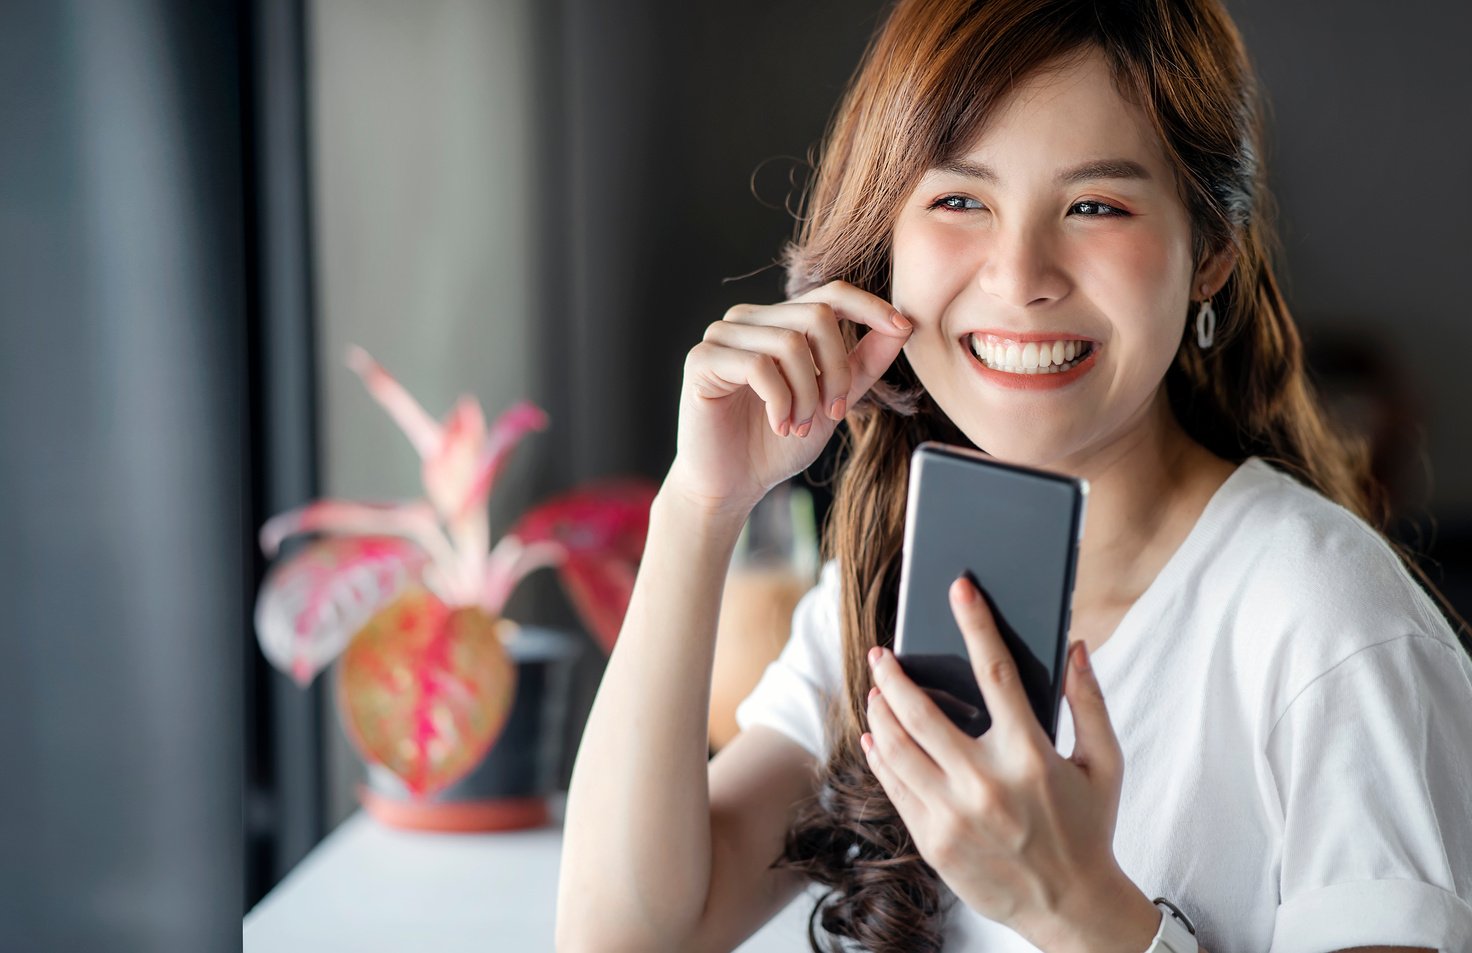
(1099, 209)
(956, 203)
(1087, 208)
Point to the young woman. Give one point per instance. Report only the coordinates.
(1038, 227)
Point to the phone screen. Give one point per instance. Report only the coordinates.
(1015, 530)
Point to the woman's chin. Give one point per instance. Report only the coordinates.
(1021, 448)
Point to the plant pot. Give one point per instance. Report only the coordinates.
(508, 789)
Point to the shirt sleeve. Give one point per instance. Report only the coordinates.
(1372, 767)
(792, 694)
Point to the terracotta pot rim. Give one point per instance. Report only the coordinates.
(494, 814)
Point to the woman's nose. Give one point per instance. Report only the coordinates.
(1020, 268)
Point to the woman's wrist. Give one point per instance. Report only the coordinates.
(697, 512)
(1114, 916)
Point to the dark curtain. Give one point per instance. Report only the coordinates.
(285, 762)
(147, 149)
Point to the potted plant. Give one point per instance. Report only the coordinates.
(451, 704)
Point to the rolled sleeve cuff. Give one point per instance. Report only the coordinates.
(787, 702)
(1373, 912)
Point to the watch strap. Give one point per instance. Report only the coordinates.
(1176, 933)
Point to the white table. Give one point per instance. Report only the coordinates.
(368, 888)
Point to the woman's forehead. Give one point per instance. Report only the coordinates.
(1062, 124)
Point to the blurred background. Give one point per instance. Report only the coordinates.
(202, 205)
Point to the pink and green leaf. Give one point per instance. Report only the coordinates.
(602, 529)
(510, 562)
(414, 520)
(450, 469)
(514, 424)
(425, 689)
(311, 604)
(421, 429)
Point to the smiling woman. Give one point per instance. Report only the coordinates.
(1050, 245)
(1022, 212)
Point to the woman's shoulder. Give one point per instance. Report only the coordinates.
(1305, 584)
(1292, 538)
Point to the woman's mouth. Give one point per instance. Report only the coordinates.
(1034, 357)
(1031, 365)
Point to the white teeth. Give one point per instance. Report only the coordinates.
(1047, 357)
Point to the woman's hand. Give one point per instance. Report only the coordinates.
(1020, 834)
(766, 387)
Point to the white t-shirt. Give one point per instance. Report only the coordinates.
(1296, 718)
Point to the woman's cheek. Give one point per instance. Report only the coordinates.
(930, 267)
(1159, 261)
(1139, 277)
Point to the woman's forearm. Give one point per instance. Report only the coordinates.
(637, 841)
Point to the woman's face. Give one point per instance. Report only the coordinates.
(1023, 254)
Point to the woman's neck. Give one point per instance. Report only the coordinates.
(1146, 491)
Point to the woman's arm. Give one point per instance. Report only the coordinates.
(636, 846)
(638, 864)
(637, 856)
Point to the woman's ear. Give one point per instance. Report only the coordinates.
(1213, 273)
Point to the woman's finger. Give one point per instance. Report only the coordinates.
(827, 354)
(1096, 746)
(788, 347)
(715, 370)
(817, 313)
(920, 717)
(910, 808)
(875, 351)
(900, 751)
(868, 361)
(996, 671)
(819, 320)
(852, 303)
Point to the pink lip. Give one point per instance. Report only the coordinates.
(1002, 336)
(1033, 381)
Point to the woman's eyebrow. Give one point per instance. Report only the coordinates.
(1086, 172)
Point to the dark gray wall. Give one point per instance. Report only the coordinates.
(1370, 155)
(660, 114)
(670, 108)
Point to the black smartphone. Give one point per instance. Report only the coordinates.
(1016, 531)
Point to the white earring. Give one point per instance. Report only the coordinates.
(1205, 324)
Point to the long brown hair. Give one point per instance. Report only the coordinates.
(928, 80)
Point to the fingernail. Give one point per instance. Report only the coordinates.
(873, 691)
(836, 411)
(875, 654)
(804, 427)
(1081, 657)
(782, 428)
(866, 742)
(967, 592)
(899, 321)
